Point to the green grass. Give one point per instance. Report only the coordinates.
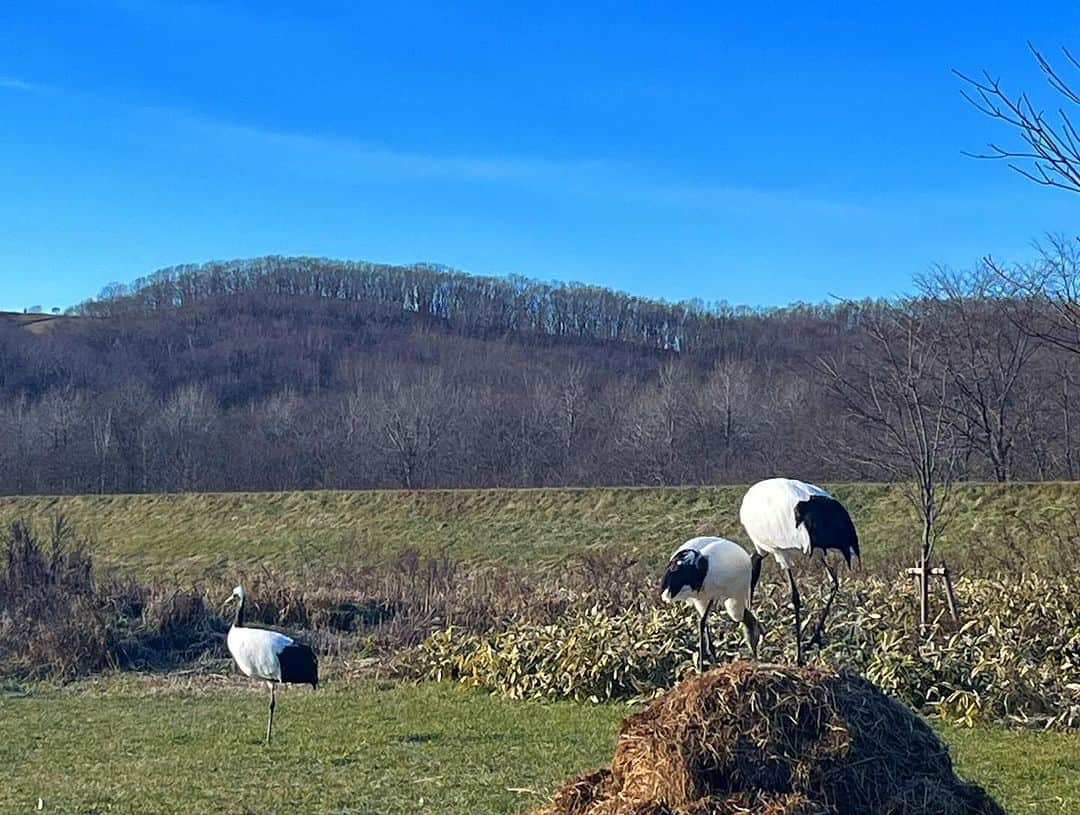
(374, 748)
(198, 534)
(1028, 771)
(371, 748)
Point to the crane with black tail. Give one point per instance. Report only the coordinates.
(783, 516)
(270, 656)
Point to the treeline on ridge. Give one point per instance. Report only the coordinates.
(284, 373)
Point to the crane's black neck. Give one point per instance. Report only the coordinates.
(238, 622)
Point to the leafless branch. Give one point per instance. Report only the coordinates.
(1051, 148)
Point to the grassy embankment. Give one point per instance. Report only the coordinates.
(192, 535)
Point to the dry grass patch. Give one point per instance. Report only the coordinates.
(774, 740)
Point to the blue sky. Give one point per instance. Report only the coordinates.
(789, 151)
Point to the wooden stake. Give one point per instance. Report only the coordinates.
(949, 593)
(922, 584)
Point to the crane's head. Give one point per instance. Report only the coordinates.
(237, 594)
(685, 575)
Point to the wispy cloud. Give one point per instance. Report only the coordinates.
(582, 178)
(11, 83)
(357, 155)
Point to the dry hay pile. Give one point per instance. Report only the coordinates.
(774, 740)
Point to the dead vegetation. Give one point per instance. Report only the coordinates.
(774, 740)
(592, 631)
(61, 619)
(51, 615)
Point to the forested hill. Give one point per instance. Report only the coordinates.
(466, 304)
(282, 373)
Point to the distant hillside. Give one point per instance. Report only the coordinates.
(34, 323)
(299, 373)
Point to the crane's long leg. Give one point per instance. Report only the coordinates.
(270, 721)
(755, 573)
(710, 645)
(798, 617)
(703, 634)
(820, 630)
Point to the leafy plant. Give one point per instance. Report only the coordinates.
(1016, 659)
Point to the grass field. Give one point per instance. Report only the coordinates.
(193, 744)
(196, 534)
(369, 748)
(133, 746)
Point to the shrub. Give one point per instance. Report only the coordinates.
(59, 621)
(1017, 658)
(50, 620)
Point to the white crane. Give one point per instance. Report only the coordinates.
(783, 516)
(270, 656)
(704, 571)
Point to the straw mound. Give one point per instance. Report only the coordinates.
(774, 740)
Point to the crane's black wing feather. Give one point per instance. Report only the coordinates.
(829, 525)
(299, 665)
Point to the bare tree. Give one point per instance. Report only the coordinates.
(61, 416)
(101, 432)
(651, 427)
(134, 410)
(1066, 403)
(673, 399)
(780, 412)
(988, 361)
(184, 429)
(414, 418)
(721, 411)
(1051, 149)
(1044, 296)
(895, 386)
(572, 399)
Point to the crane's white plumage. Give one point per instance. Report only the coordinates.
(727, 578)
(269, 655)
(768, 515)
(705, 571)
(256, 651)
(783, 516)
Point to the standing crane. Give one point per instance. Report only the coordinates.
(783, 516)
(270, 656)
